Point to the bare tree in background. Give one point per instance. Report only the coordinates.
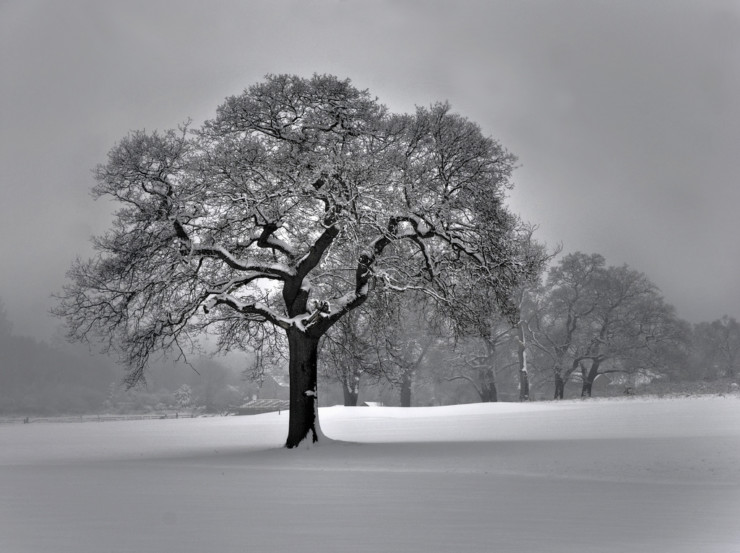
(592, 320)
(488, 339)
(280, 214)
(6, 327)
(628, 328)
(351, 351)
(413, 334)
(718, 346)
(564, 303)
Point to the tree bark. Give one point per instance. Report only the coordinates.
(559, 386)
(589, 377)
(406, 390)
(523, 372)
(523, 384)
(488, 392)
(303, 421)
(350, 395)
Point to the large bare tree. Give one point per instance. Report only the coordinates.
(279, 215)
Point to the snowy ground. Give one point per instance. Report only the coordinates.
(596, 476)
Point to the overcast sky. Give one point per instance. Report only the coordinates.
(625, 115)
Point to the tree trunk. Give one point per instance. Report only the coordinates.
(350, 394)
(523, 372)
(488, 391)
(406, 390)
(523, 385)
(304, 420)
(589, 377)
(559, 386)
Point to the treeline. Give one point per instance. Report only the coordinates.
(38, 379)
(42, 380)
(582, 326)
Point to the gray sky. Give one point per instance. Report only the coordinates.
(625, 115)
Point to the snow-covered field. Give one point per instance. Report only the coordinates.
(597, 476)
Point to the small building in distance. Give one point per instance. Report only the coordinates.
(258, 406)
(272, 388)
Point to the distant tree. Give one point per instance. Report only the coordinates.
(489, 340)
(525, 313)
(538, 258)
(592, 320)
(629, 327)
(482, 338)
(246, 225)
(412, 336)
(183, 396)
(6, 327)
(351, 351)
(39, 379)
(559, 326)
(479, 358)
(717, 346)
